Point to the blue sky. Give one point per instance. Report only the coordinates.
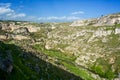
(56, 10)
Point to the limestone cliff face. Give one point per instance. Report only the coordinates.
(16, 30)
(102, 21)
(84, 22)
(11, 26)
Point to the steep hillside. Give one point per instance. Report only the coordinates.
(18, 64)
(89, 49)
(108, 20)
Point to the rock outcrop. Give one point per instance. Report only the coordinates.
(84, 22)
(90, 47)
(11, 26)
(21, 30)
(107, 20)
(16, 30)
(32, 28)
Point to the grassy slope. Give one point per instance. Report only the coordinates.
(23, 71)
(67, 61)
(103, 69)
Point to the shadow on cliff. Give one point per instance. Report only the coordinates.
(26, 66)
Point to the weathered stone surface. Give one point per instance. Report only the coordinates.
(32, 28)
(2, 37)
(22, 30)
(84, 22)
(20, 37)
(102, 21)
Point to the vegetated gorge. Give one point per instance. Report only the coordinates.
(80, 50)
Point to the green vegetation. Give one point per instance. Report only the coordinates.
(39, 34)
(20, 72)
(2, 32)
(55, 53)
(24, 67)
(67, 61)
(117, 25)
(75, 51)
(103, 70)
(78, 71)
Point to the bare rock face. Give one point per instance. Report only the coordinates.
(108, 20)
(32, 28)
(5, 26)
(8, 26)
(12, 31)
(22, 30)
(20, 37)
(2, 37)
(84, 22)
(11, 26)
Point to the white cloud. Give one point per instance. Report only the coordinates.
(14, 15)
(56, 18)
(8, 13)
(77, 12)
(18, 15)
(4, 8)
(68, 18)
(72, 18)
